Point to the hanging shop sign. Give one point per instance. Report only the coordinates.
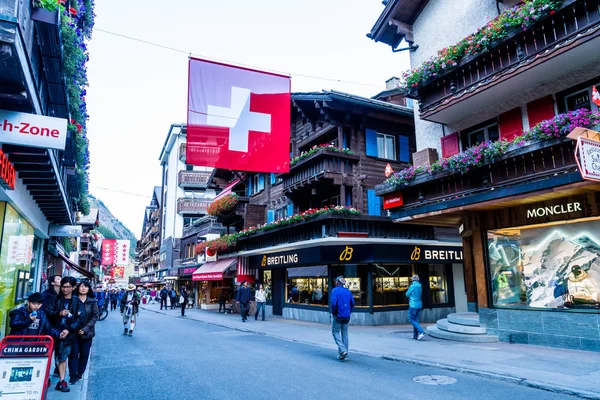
(65, 230)
(589, 158)
(32, 130)
(393, 200)
(8, 175)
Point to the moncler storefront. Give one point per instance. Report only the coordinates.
(543, 266)
(300, 277)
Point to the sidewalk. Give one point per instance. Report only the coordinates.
(78, 390)
(565, 371)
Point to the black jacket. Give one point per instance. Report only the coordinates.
(136, 302)
(164, 293)
(92, 312)
(20, 322)
(243, 295)
(77, 309)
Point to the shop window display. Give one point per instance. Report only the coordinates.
(438, 284)
(552, 266)
(356, 281)
(268, 285)
(391, 281)
(308, 285)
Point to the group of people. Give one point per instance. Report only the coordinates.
(341, 306)
(184, 299)
(245, 295)
(68, 311)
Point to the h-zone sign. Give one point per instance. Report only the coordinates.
(32, 130)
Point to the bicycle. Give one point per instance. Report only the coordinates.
(103, 312)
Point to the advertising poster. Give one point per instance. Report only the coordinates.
(23, 378)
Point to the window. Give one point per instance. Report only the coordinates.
(438, 285)
(549, 266)
(580, 99)
(390, 283)
(386, 146)
(281, 213)
(268, 284)
(489, 133)
(332, 201)
(357, 278)
(308, 286)
(256, 184)
(189, 167)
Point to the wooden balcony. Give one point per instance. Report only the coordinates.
(531, 167)
(328, 225)
(237, 214)
(193, 179)
(192, 206)
(526, 59)
(321, 168)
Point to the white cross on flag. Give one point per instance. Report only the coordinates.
(238, 118)
(595, 96)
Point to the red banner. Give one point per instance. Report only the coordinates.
(238, 119)
(209, 276)
(109, 247)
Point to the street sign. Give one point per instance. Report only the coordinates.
(32, 130)
(25, 366)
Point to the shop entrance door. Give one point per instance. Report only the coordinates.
(278, 291)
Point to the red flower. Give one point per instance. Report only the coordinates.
(79, 127)
(73, 11)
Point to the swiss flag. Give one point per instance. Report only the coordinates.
(238, 119)
(388, 170)
(595, 96)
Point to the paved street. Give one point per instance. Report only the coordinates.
(171, 357)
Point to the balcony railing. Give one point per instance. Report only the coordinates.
(192, 206)
(329, 226)
(541, 160)
(519, 47)
(182, 152)
(155, 215)
(322, 165)
(193, 179)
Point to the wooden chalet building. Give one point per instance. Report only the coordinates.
(528, 219)
(148, 247)
(340, 146)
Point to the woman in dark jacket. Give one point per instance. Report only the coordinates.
(82, 344)
(183, 300)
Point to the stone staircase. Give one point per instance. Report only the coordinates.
(461, 327)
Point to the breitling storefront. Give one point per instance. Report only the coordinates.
(378, 275)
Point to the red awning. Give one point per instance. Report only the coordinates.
(227, 190)
(76, 267)
(213, 271)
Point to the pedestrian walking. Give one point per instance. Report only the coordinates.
(114, 298)
(415, 305)
(100, 297)
(183, 300)
(341, 304)
(82, 343)
(30, 320)
(261, 301)
(173, 296)
(71, 312)
(52, 291)
(152, 296)
(243, 296)
(130, 303)
(164, 293)
(222, 301)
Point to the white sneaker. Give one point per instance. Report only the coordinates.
(421, 336)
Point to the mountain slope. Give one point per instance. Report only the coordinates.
(111, 227)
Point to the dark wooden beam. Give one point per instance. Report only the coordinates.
(42, 188)
(16, 158)
(45, 182)
(33, 168)
(403, 29)
(13, 148)
(36, 175)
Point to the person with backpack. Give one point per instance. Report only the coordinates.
(164, 293)
(173, 296)
(341, 306)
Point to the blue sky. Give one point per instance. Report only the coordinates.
(136, 90)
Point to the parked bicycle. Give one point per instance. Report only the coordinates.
(103, 312)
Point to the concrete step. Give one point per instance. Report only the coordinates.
(448, 326)
(433, 331)
(465, 318)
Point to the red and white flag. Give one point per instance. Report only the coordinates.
(595, 96)
(388, 170)
(238, 118)
(109, 247)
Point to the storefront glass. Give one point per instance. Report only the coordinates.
(268, 284)
(390, 283)
(438, 284)
(546, 266)
(357, 281)
(16, 254)
(308, 285)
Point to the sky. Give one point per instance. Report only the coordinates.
(136, 90)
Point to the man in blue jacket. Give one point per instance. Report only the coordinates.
(341, 304)
(415, 305)
(243, 296)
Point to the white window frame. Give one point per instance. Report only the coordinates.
(385, 136)
(485, 133)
